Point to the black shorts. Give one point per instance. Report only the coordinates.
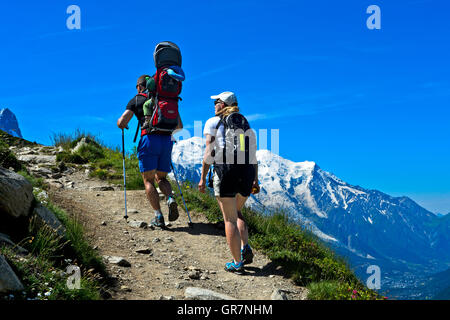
(230, 180)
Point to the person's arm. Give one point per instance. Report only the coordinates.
(122, 123)
(206, 162)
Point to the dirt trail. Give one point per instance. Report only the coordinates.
(179, 257)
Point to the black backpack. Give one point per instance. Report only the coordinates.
(240, 142)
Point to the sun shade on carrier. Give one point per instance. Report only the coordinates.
(167, 54)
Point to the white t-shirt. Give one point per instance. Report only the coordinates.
(210, 128)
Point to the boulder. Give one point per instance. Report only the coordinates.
(25, 151)
(40, 195)
(16, 194)
(204, 294)
(45, 216)
(102, 188)
(9, 282)
(55, 184)
(37, 159)
(144, 250)
(41, 171)
(117, 260)
(138, 224)
(79, 145)
(278, 294)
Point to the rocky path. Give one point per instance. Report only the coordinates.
(159, 264)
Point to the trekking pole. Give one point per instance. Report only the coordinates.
(191, 225)
(124, 176)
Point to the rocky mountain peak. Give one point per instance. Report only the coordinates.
(9, 123)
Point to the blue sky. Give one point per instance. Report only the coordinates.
(370, 106)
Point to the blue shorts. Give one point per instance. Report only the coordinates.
(155, 152)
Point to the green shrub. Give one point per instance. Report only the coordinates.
(335, 290)
(7, 158)
(91, 152)
(99, 173)
(35, 182)
(69, 141)
(68, 157)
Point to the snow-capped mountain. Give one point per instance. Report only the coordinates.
(9, 123)
(366, 223)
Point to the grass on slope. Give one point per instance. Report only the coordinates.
(105, 163)
(42, 270)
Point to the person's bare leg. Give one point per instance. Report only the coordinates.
(229, 211)
(150, 189)
(163, 183)
(241, 224)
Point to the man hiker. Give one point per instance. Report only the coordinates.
(154, 153)
(233, 182)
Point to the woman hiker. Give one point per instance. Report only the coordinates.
(233, 183)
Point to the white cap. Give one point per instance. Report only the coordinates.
(228, 97)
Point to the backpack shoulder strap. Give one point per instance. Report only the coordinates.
(219, 123)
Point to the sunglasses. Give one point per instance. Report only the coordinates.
(217, 101)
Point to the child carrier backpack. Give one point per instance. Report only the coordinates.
(167, 54)
(165, 97)
(163, 89)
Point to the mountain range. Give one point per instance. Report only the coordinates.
(368, 227)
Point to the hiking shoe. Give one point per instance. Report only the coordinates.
(235, 268)
(247, 255)
(173, 209)
(158, 221)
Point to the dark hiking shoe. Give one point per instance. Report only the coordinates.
(247, 255)
(235, 268)
(173, 209)
(158, 221)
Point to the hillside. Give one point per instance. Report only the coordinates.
(164, 263)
